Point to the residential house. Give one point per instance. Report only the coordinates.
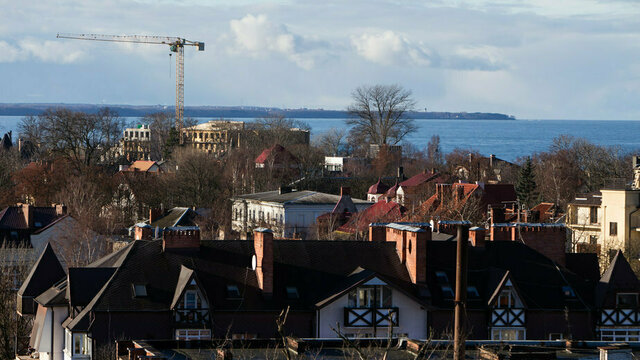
(147, 166)
(416, 188)
(377, 191)
(18, 223)
(584, 220)
(183, 288)
(290, 213)
(276, 157)
(175, 218)
(489, 168)
(380, 212)
(340, 164)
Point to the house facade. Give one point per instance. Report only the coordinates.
(288, 212)
(584, 221)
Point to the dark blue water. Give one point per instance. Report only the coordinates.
(506, 139)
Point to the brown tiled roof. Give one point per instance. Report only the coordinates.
(381, 211)
(141, 165)
(378, 188)
(278, 153)
(419, 179)
(12, 218)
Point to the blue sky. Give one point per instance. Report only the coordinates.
(535, 59)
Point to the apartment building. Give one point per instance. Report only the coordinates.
(136, 143)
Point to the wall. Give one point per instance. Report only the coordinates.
(412, 318)
(617, 205)
(60, 314)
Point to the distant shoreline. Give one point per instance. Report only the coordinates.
(234, 111)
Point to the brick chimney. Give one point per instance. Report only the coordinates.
(155, 214)
(497, 215)
(345, 191)
(263, 247)
(477, 236)
(27, 212)
(60, 209)
(411, 246)
(377, 232)
(181, 238)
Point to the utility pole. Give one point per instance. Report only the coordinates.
(461, 291)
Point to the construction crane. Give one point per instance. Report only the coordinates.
(175, 44)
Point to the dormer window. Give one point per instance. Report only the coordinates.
(233, 292)
(139, 290)
(568, 293)
(447, 292)
(442, 278)
(370, 296)
(627, 300)
(292, 293)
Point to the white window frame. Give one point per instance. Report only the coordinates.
(193, 334)
(85, 344)
(195, 299)
(500, 332)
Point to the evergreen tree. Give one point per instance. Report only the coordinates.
(526, 186)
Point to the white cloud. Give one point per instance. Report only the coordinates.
(44, 51)
(390, 48)
(257, 36)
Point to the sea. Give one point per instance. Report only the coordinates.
(507, 139)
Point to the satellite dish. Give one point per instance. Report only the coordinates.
(254, 262)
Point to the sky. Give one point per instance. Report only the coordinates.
(535, 59)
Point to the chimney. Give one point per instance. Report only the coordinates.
(400, 172)
(477, 236)
(284, 190)
(263, 247)
(345, 191)
(60, 209)
(27, 211)
(411, 246)
(155, 214)
(497, 215)
(492, 159)
(377, 232)
(181, 238)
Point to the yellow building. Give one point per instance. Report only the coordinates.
(621, 221)
(217, 136)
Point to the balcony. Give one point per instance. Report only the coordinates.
(191, 316)
(370, 317)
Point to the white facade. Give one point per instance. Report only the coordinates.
(49, 339)
(412, 317)
(141, 133)
(621, 220)
(283, 219)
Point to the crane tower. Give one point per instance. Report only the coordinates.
(175, 44)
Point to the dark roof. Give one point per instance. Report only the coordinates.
(46, 271)
(55, 295)
(378, 188)
(618, 277)
(278, 154)
(538, 280)
(589, 199)
(314, 267)
(584, 264)
(12, 217)
(84, 283)
(296, 197)
(178, 216)
(496, 194)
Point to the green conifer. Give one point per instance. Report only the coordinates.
(526, 186)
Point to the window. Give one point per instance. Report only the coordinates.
(507, 334)
(81, 344)
(506, 299)
(233, 292)
(442, 278)
(190, 299)
(620, 335)
(593, 215)
(292, 293)
(613, 228)
(567, 291)
(193, 334)
(369, 296)
(447, 292)
(139, 290)
(627, 300)
(593, 239)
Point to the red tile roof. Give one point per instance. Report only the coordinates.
(279, 154)
(381, 211)
(392, 191)
(419, 179)
(141, 165)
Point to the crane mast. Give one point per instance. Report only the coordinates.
(176, 45)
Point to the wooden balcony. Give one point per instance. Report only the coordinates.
(370, 317)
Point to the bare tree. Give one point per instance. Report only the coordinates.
(331, 141)
(81, 138)
(379, 113)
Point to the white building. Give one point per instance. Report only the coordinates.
(288, 212)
